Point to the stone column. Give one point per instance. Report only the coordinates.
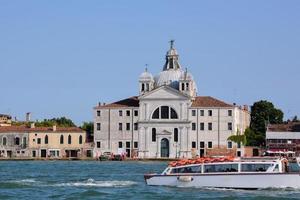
(146, 142)
(181, 142)
(188, 145)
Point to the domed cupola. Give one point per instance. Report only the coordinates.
(172, 58)
(146, 82)
(171, 70)
(187, 84)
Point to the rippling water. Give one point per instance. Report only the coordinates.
(106, 180)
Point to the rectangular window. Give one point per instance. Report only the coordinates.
(229, 112)
(164, 112)
(127, 126)
(210, 126)
(136, 113)
(193, 126)
(127, 113)
(229, 125)
(202, 126)
(98, 144)
(120, 144)
(120, 113)
(33, 153)
(120, 127)
(175, 134)
(201, 112)
(194, 145)
(193, 112)
(98, 126)
(98, 113)
(239, 145)
(135, 145)
(135, 126)
(209, 145)
(127, 144)
(209, 112)
(229, 145)
(202, 144)
(39, 140)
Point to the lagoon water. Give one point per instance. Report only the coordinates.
(106, 180)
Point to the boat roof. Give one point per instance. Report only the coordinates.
(241, 160)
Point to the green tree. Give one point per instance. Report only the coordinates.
(262, 113)
(61, 122)
(238, 138)
(89, 128)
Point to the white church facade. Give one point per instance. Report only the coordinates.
(168, 119)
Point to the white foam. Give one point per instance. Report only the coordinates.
(93, 183)
(24, 181)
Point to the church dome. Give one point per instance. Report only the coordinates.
(169, 77)
(146, 76)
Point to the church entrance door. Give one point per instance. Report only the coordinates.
(164, 148)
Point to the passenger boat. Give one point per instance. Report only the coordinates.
(227, 173)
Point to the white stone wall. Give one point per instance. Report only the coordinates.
(109, 136)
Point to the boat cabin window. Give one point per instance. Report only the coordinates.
(190, 169)
(276, 168)
(255, 167)
(221, 168)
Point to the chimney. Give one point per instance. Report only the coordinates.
(54, 128)
(32, 125)
(28, 116)
(104, 104)
(246, 107)
(99, 103)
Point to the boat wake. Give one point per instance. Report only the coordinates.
(87, 183)
(93, 183)
(24, 181)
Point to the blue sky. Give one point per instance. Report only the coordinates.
(59, 58)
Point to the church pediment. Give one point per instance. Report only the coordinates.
(164, 132)
(164, 92)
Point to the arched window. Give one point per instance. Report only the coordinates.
(4, 141)
(17, 141)
(187, 86)
(46, 139)
(80, 139)
(182, 86)
(175, 134)
(164, 112)
(153, 134)
(173, 114)
(143, 87)
(61, 139)
(69, 139)
(24, 141)
(156, 114)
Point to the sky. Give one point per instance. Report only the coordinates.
(60, 58)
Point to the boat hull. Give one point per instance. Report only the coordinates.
(238, 181)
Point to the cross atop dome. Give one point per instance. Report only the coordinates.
(172, 58)
(172, 44)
